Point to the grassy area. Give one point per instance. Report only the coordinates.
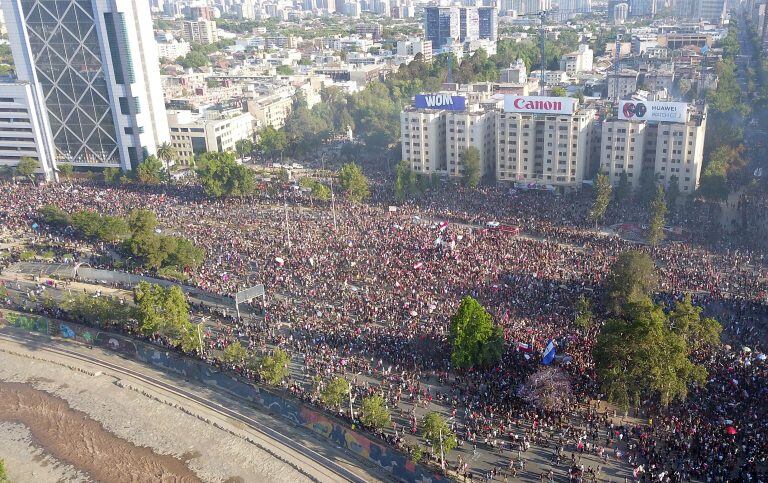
(47, 255)
(27, 255)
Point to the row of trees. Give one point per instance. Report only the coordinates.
(156, 311)
(657, 206)
(410, 184)
(137, 235)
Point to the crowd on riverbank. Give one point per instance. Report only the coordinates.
(373, 292)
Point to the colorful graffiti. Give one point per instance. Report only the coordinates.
(28, 322)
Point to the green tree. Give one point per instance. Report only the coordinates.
(354, 183)
(714, 178)
(559, 92)
(99, 311)
(166, 153)
(111, 175)
(244, 147)
(638, 355)
(54, 216)
(673, 192)
(234, 353)
(335, 392)
(27, 167)
(162, 311)
(221, 176)
(184, 254)
(632, 276)
(583, 317)
(405, 184)
(434, 428)
(658, 216)
(475, 340)
(685, 319)
(623, 189)
(192, 338)
(375, 413)
(274, 368)
(284, 70)
(602, 192)
(470, 159)
(150, 171)
(142, 221)
(647, 189)
(317, 189)
(66, 170)
(271, 141)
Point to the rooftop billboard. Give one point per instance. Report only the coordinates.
(440, 101)
(653, 111)
(539, 105)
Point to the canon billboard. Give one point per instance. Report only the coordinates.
(440, 101)
(653, 111)
(539, 105)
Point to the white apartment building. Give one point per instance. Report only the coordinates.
(627, 83)
(515, 74)
(544, 140)
(423, 140)
(579, 61)
(474, 127)
(22, 132)
(200, 31)
(669, 149)
(271, 110)
(413, 46)
(172, 50)
(213, 130)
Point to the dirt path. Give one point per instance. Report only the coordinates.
(72, 437)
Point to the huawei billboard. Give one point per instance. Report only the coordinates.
(653, 111)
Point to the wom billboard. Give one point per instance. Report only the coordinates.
(440, 101)
(539, 105)
(653, 111)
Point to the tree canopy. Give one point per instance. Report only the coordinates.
(639, 355)
(632, 276)
(221, 176)
(354, 183)
(470, 160)
(162, 310)
(475, 340)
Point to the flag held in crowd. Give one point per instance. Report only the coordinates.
(549, 353)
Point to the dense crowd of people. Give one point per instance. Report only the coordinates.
(368, 291)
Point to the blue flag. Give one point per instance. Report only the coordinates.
(549, 354)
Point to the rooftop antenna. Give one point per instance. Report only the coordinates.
(542, 82)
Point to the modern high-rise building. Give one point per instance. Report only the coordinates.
(441, 25)
(710, 10)
(488, 19)
(200, 31)
(94, 66)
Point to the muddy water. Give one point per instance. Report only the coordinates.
(72, 437)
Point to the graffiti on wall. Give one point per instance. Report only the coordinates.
(28, 322)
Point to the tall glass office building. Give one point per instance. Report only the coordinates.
(94, 66)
